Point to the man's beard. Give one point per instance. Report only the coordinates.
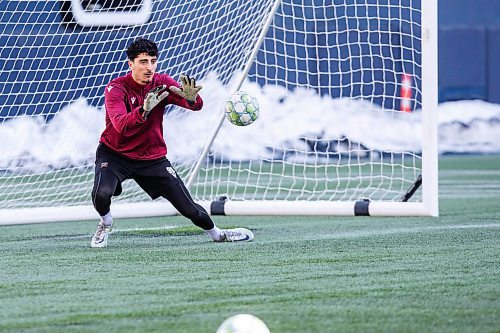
(148, 79)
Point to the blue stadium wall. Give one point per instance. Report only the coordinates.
(469, 49)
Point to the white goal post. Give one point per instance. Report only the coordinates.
(347, 92)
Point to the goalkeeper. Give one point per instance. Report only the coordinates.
(132, 145)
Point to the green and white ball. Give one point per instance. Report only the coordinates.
(241, 109)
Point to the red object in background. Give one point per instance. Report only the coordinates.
(406, 92)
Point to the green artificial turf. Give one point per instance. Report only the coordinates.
(300, 274)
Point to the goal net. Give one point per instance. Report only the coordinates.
(347, 94)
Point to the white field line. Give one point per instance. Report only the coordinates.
(348, 234)
(359, 233)
(165, 227)
(384, 232)
(354, 234)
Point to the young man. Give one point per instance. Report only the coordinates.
(132, 145)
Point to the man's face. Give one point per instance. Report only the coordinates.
(143, 67)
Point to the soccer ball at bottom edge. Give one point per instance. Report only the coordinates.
(241, 109)
(243, 323)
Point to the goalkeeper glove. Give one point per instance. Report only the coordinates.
(153, 98)
(189, 88)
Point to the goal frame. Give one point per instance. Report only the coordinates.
(427, 207)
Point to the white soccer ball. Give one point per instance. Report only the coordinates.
(241, 109)
(243, 323)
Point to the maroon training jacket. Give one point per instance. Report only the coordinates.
(126, 132)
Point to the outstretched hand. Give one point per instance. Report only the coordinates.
(189, 88)
(153, 98)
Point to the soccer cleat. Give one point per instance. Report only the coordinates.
(236, 235)
(100, 238)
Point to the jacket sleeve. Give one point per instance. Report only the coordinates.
(180, 101)
(125, 123)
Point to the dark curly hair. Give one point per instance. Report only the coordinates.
(142, 45)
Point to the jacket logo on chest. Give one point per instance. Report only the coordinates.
(132, 100)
